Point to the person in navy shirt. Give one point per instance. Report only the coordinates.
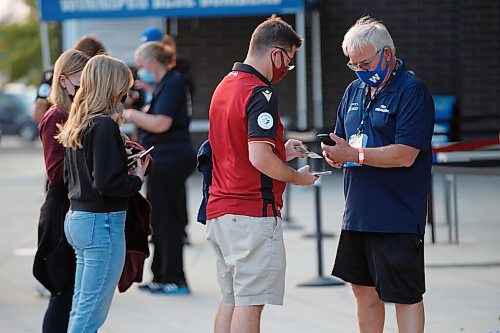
(165, 125)
(383, 139)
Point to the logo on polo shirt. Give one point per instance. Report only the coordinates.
(267, 94)
(382, 108)
(265, 120)
(353, 107)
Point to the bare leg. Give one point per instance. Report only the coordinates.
(410, 317)
(370, 309)
(246, 319)
(223, 318)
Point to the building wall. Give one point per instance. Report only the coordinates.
(453, 45)
(480, 67)
(120, 36)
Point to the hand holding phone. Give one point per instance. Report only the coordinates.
(325, 138)
(139, 155)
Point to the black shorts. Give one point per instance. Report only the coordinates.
(392, 263)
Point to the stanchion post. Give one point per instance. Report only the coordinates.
(319, 234)
(320, 280)
(430, 212)
(288, 222)
(317, 164)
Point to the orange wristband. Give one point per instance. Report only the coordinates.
(361, 156)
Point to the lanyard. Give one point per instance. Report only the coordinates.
(371, 99)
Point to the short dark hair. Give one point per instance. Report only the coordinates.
(91, 45)
(271, 33)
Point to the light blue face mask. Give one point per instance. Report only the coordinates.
(376, 77)
(148, 97)
(146, 76)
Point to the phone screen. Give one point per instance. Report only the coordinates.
(321, 173)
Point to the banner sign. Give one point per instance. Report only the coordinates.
(58, 10)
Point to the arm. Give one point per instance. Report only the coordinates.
(53, 151)
(160, 117)
(154, 123)
(392, 156)
(262, 122)
(262, 157)
(43, 90)
(295, 148)
(110, 173)
(414, 125)
(41, 106)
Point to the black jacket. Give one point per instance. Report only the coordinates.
(96, 175)
(205, 167)
(137, 230)
(55, 262)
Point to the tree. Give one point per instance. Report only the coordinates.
(20, 48)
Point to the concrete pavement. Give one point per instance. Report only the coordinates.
(463, 281)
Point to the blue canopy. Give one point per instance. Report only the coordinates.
(58, 10)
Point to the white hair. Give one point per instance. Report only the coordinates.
(367, 31)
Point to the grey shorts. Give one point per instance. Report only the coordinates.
(251, 258)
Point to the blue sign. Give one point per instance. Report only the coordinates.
(58, 10)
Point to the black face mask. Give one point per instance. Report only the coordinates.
(72, 97)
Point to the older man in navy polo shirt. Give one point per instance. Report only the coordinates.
(383, 139)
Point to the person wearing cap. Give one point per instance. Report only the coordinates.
(151, 35)
(182, 64)
(165, 125)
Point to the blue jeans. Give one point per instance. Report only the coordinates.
(99, 243)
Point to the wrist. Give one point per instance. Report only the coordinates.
(353, 156)
(140, 175)
(128, 115)
(294, 176)
(361, 156)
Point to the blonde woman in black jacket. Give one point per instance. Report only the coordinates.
(99, 185)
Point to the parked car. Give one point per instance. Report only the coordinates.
(15, 117)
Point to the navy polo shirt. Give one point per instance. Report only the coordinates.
(169, 99)
(392, 200)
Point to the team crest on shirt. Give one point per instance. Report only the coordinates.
(265, 120)
(267, 94)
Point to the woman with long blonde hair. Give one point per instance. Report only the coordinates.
(54, 264)
(99, 185)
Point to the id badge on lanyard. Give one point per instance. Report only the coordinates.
(360, 139)
(357, 140)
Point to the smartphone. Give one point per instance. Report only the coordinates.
(139, 155)
(321, 173)
(325, 138)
